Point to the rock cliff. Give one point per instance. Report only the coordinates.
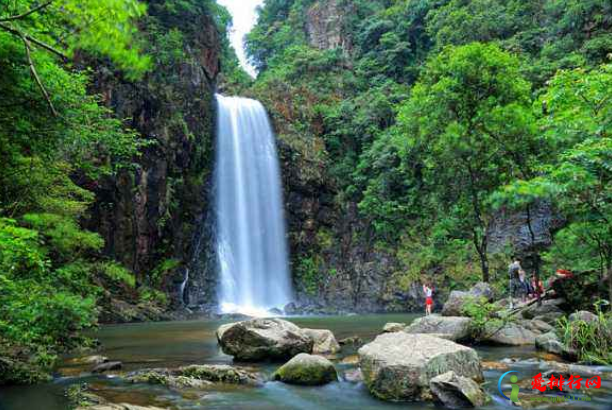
(149, 215)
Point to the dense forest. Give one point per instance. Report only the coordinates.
(427, 120)
(407, 129)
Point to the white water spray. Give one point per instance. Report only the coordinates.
(251, 243)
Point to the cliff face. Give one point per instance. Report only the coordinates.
(149, 215)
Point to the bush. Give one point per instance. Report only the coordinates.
(482, 314)
(592, 341)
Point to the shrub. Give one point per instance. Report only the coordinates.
(592, 341)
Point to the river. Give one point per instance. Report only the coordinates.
(171, 344)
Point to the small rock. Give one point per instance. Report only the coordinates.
(307, 370)
(584, 316)
(393, 327)
(457, 392)
(324, 341)
(107, 367)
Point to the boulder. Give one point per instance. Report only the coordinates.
(324, 341)
(107, 367)
(264, 339)
(549, 342)
(307, 370)
(221, 330)
(509, 334)
(539, 326)
(393, 327)
(584, 316)
(457, 299)
(399, 366)
(549, 310)
(453, 328)
(456, 392)
(550, 317)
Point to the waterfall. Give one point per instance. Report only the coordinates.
(251, 243)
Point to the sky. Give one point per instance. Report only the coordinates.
(244, 16)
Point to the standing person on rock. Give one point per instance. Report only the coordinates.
(428, 290)
(513, 272)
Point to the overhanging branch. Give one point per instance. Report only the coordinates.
(27, 13)
(34, 41)
(43, 90)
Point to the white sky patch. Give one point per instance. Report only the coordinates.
(244, 17)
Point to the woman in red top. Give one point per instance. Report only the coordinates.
(427, 289)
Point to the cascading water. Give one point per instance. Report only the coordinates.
(251, 243)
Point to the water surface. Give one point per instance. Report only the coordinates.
(172, 344)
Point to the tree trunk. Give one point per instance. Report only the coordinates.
(535, 254)
(484, 264)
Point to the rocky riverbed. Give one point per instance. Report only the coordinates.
(173, 347)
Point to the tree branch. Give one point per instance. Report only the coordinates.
(37, 78)
(34, 41)
(27, 13)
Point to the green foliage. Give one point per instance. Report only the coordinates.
(485, 316)
(591, 340)
(308, 275)
(105, 29)
(117, 273)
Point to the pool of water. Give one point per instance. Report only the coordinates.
(173, 344)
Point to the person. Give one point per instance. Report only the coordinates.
(513, 271)
(537, 288)
(428, 290)
(523, 285)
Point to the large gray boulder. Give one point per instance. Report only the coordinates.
(453, 328)
(509, 334)
(307, 370)
(264, 339)
(456, 392)
(324, 341)
(221, 330)
(457, 299)
(399, 366)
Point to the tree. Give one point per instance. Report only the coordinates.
(469, 123)
(578, 125)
